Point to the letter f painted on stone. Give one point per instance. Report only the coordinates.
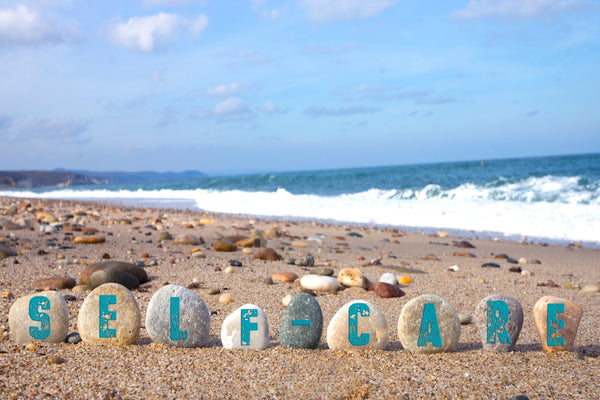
(497, 318)
(353, 312)
(248, 326)
(430, 330)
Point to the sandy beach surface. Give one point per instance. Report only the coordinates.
(150, 371)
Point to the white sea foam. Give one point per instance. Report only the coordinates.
(540, 207)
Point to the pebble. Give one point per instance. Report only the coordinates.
(247, 251)
(464, 245)
(354, 234)
(522, 260)
(411, 319)
(290, 261)
(6, 251)
(562, 339)
(284, 276)
(54, 283)
(286, 299)
(89, 239)
(267, 254)
(591, 288)
(369, 332)
(307, 261)
(322, 271)
(132, 269)
(55, 360)
(353, 277)
(454, 268)
(490, 265)
(185, 323)
(51, 323)
(213, 291)
(187, 239)
(388, 277)
(229, 270)
(73, 338)
(459, 254)
(101, 277)
(256, 329)
(302, 323)
(224, 246)
(319, 283)
(121, 320)
(386, 290)
(225, 298)
(404, 280)
(235, 263)
(299, 244)
(505, 315)
(465, 319)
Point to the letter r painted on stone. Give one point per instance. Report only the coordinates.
(430, 330)
(497, 318)
(554, 324)
(353, 313)
(247, 326)
(105, 315)
(36, 303)
(176, 333)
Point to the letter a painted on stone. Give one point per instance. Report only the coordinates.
(353, 313)
(497, 318)
(430, 330)
(248, 326)
(176, 334)
(106, 315)
(35, 304)
(554, 324)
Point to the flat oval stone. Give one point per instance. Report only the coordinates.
(302, 323)
(6, 251)
(187, 239)
(39, 317)
(54, 283)
(386, 290)
(322, 271)
(112, 276)
(267, 254)
(556, 321)
(178, 317)
(429, 324)
(138, 272)
(223, 245)
(285, 276)
(357, 325)
(499, 319)
(319, 283)
(246, 328)
(353, 277)
(109, 315)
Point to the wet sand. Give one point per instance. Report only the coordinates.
(148, 371)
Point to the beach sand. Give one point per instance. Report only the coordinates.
(149, 371)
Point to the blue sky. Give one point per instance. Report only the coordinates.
(259, 85)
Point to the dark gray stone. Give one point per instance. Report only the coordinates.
(307, 261)
(101, 277)
(6, 251)
(506, 327)
(73, 338)
(302, 323)
(490, 265)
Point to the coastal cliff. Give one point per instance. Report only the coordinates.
(34, 179)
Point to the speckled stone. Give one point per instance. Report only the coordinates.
(99, 278)
(178, 317)
(302, 323)
(39, 317)
(504, 316)
(322, 271)
(411, 322)
(256, 332)
(553, 336)
(369, 332)
(132, 269)
(121, 319)
(353, 277)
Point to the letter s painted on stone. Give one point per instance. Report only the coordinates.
(43, 332)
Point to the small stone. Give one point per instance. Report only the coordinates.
(454, 268)
(119, 322)
(224, 246)
(255, 332)
(101, 277)
(354, 234)
(249, 242)
(89, 239)
(290, 261)
(6, 251)
(465, 319)
(357, 325)
(549, 314)
(73, 338)
(178, 317)
(52, 318)
(460, 254)
(55, 360)
(499, 319)
(501, 256)
(225, 298)
(235, 263)
(319, 283)
(267, 254)
(213, 291)
(419, 318)
(299, 244)
(386, 290)
(284, 276)
(538, 262)
(442, 234)
(286, 300)
(268, 281)
(302, 323)
(522, 260)
(590, 288)
(571, 285)
(229, 270)
(307, 261)
(55, 283)
(272, 233)
(464, 245)
(322, 271)
(247, 251)
(132, 269)
(187, 239)
(353, 277)
(490, 265)
(388, 277)
(164, 235)
(526, 273)
(404, 280)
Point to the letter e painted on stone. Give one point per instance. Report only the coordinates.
(353, 313)
(430, 330)
(248, 326)
(106, 315)
(497, 318)
(43, 332)
(554, 324)
(176, 334)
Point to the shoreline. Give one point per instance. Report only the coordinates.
(147, 370)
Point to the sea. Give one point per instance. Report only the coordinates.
(540, 199)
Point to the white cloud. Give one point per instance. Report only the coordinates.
(63, 129)
(519, 9)
(230, 109)
(344, 10)
(24, 25)
(224, 90)
(155, 31)
(272, 108)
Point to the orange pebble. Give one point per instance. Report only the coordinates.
(404, 280)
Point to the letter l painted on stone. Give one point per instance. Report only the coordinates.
(430, 330)
(176, 334)
(43, 331)
(497, 318)
(554, 324)
(106, 315)
(353, 312)
(248, 326)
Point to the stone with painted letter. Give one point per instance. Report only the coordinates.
(178, 317)
(302, 323)
(499, 319)
(109, 315)
(39, 317)
(246, 328)
(556, 321)
(429, 324)
(357, 325)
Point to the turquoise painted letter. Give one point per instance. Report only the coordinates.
(353, 313)
(35, 304)
(430, 330)
(248, 326)
(497, 317)
(176, 334)
(554, 324)
(105, 315)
